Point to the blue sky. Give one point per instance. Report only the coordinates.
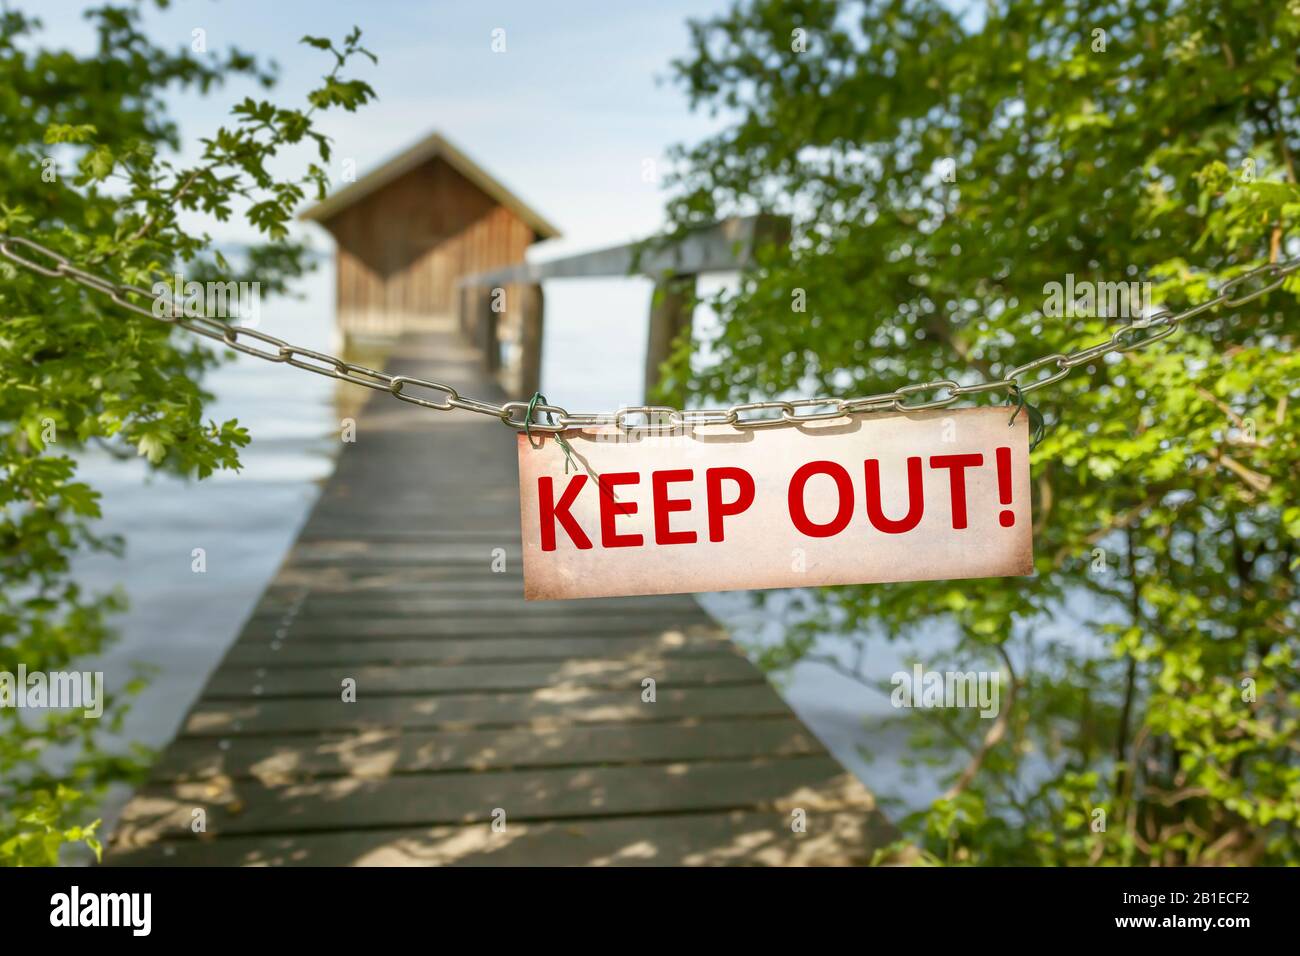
(566, 117)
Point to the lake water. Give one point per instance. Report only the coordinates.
(181, 622)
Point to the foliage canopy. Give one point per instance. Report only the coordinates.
(87, 153)
(943, 167)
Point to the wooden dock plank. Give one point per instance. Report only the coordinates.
(471, 701)
(735, 838)
(223, 718)
(385, 752)
(475, 606)
(236, 683)
(487, 625)
(338, 803)
(265, 653)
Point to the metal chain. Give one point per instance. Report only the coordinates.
(937, 394)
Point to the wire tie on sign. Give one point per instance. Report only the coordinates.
(1037, 424)
(540, 399)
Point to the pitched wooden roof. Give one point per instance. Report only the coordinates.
(433, 146)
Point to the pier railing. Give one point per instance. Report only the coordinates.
(502, 311)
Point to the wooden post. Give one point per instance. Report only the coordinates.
(484, 331)
(530, 339)
(493, 321)
(469, 317)
(670, 314)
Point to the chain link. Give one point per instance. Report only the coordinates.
(1138, 334)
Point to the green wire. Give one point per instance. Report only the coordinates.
(540, 399)
(1037, 424)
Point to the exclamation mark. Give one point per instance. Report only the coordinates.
(1006, 518)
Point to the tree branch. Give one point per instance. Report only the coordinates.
(994, 735)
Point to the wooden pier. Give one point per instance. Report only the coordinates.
(472, 704)
(485, 730)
